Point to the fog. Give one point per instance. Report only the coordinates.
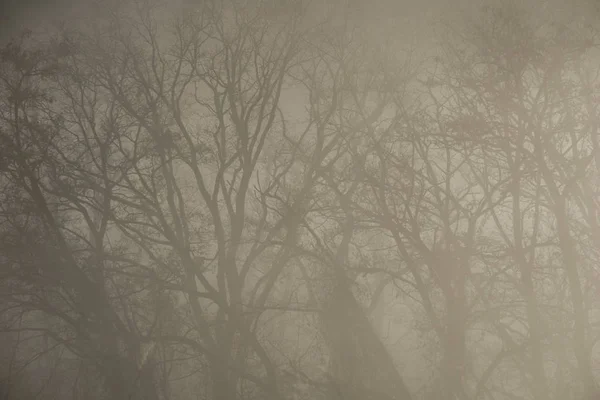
(293, 199)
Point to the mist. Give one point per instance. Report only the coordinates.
(293, 199)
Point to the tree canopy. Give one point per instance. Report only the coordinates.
(267, 200)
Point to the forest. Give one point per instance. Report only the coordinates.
(291, 200)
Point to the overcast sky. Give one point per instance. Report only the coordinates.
(414, 16)
(408, 23)
(17, 14)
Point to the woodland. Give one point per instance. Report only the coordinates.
(261, 199)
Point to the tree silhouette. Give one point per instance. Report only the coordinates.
(227, 200)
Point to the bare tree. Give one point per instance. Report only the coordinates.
(219, 200)
(518, 110)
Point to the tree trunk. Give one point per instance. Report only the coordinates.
(361, 365)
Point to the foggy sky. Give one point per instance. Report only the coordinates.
(410, 21)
